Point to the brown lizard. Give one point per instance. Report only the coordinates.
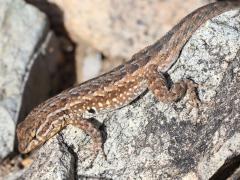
(118, 87)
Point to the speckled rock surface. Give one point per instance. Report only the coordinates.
(24, 43)
(121, 28)
(57, 159)
(152, 140)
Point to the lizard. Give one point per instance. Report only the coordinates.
(119, 87)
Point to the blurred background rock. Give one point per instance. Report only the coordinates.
(108, 32)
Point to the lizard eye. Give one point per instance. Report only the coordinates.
(92, 110)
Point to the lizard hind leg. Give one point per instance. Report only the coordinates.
(157, 83)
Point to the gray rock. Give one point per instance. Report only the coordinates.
(58, 160)
(152, 140)
(18, 40)
(24, 43)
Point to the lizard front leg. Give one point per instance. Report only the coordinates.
(92, 131)
(157, 83)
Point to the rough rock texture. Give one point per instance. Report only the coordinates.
(152, 140)
(121, 28)
(24, 43)
(58, 160)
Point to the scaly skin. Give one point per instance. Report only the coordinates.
(118, 87)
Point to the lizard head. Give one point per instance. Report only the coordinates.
(39, 126)
(27, 134)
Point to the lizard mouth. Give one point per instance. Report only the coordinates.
(27, 148)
